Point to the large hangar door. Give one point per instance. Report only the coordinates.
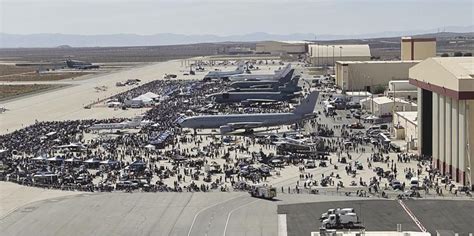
(427, 123)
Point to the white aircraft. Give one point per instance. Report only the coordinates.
(133, 124)
(232, 122)
(225, 74)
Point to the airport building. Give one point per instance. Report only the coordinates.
(446, 114)
(405, 127)
(417, 48)
(282, 47)
(367, 75)
(401, 89)
(327, 55)
(385, 106)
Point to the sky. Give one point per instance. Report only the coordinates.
(230, 17)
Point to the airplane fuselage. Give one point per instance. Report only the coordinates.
(216, 121)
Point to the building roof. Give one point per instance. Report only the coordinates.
(449, 76)
(377, 62)
(386, 100)
(347, 50)
(359, 93)
(460, 67)
(294, 42)
(410, 116)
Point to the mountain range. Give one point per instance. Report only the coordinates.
(113, 40)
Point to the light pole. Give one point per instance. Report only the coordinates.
(333, 55)
(318, 52)
(327, 55)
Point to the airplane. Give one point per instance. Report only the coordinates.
(256, 77)
(290, 87)
(236, 97)
(284, 78)
(225, 74)
(231, 122)
(80, 65)
(133, 124)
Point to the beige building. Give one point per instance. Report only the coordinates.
(327, 55)
(405, 127)
(385, 106)
(357, 75)
(282, 47)
(417, 48)
(446, 114)
(402, 89)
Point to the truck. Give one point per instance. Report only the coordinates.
(341, 211)
(263, 191)
(346, 221)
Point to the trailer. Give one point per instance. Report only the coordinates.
(263, 191)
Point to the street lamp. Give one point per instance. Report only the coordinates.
(333, 55)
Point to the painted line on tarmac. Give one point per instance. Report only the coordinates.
(282, 229)
(412, 216)
(199, 212)
(230, 213)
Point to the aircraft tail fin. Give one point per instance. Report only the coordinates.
(287, 77)
(136, 120)
(283, 71)
(295, 80)
(308, 104)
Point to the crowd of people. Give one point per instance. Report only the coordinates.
(67, 155)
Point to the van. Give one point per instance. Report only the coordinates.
(373, 128)
(414, 183)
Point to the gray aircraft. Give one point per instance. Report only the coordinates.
(248, 97)
(285, 78)
(232, 122)
(254, 77)
(225, 74)
(290, 87)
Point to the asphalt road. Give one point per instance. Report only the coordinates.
(384, 215)
(375, 215)
(456, 216)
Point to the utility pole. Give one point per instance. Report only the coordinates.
(333, 55)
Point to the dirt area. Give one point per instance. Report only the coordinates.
(13, 70)
(33, 76)
(11, 91)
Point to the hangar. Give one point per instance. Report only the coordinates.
(446, 114)
(327, 55)
(366, 75)
(282, 47)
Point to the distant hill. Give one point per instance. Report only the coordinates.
(115, 40)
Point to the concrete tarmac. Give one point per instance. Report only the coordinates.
(216, 213)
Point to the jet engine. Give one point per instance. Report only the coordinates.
(225, 129)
